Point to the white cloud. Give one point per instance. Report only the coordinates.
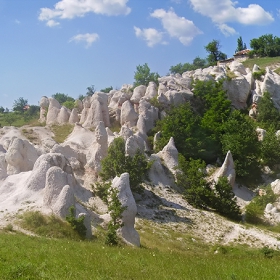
(52, 23)
(89, 38)
(178, 27)
(150, 35)
(68, 9)
(222, 12)
(17, 21)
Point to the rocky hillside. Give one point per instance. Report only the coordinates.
(51, 177)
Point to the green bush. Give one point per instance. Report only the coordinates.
(255, 209)
(101, 190)
(77, 224)
(258, 75)
(116, 163)
(116, 209)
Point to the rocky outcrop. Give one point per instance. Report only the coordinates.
(20, 156)
(99, 148)
(169, 154)
(227, 170)
(127, 232)
(44, 104)
(98, 111)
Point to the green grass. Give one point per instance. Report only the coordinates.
(262, 62)
(47, 226)
(19, 120)
(26, 257)
(61, 132)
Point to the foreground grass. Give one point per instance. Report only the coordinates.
(262, 62)
(26, 257)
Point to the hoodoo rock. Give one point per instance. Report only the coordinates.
(127, 232)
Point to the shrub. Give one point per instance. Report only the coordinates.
(101, 190)
(77, 224)
(116, 209)
(117, 163)
(255, 209)
(258, 75)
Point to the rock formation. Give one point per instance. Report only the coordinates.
(127, 232)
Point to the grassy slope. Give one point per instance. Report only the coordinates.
(26, 257)
(261, 62)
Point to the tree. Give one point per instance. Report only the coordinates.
(241, 139)
(19, 105)
(213, 48)
(90, 90)
(143, 75)
(116, 209)
(181, 68)
(61, 97)
(2, 110)
(266, 45)
(240, 45)
(268, 115)
(107, 89)
(116, 163)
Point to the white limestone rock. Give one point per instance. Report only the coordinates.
(227, 170)
(63, 115)
(99, 148)
(74, 117)
(169, 154)
(44, 104)
(151, 91)
(261, 133)
(127, 232)
(236, 66)
(53, 111)
(125, 132)
(128, 114)
(3, 167)
(138, 93)
(117, 99)
(238, 90)
(275, 186)
(37, 179)
(98, 111)
(20, 156)
(134, 143)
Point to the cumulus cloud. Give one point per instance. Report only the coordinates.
(178, 27)
(68, 9)
(222, 12)
(52, 23)
(150, 35)
(89, 38)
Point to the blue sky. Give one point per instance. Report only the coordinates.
(50, 46)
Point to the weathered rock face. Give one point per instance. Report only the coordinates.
(53, 111)
(134, 143)
(227, 170)
(169, 154)
(63, 115)
(127, 232)
(74, 117)
(238, 91)
(99, 148)
(128, 114)
(44, 104)
(151, 91)
(20, 156)
(138, 93)
(98, 111)
(37, 179)
(76, 159)
(3, 167)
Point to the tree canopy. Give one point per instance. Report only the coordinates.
(143, 75)
(240, 45)
(266, 45)
(181, 68)
(20, 105)
(215, 54)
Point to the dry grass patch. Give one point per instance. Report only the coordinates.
(61, 132)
